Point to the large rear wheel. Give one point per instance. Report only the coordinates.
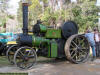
(77, 48)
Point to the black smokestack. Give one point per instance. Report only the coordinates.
(25, 18)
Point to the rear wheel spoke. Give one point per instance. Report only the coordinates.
(74, 44)
(77, 48)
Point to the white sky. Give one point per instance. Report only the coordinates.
(73, 0)
(13, 6)
(98, 3)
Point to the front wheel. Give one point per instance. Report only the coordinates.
(25, 57)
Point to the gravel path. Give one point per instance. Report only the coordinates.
(55, 67)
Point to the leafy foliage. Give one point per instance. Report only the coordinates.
(84, 12)
(85, 15)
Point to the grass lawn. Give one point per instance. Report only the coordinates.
(3, 61)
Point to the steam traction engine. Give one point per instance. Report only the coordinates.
(49, 42)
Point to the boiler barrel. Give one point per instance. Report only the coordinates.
(31, 40)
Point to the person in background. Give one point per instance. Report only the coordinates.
(99, 44)
(96, 38)
(90, 36)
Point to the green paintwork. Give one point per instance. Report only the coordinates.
(43, 28)
(49, 48)
(50, 44)
(36, 41)
(48, 40)
(53, 33)
(52, 51)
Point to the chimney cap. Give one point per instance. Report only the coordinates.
(24, 1)
(27, 1)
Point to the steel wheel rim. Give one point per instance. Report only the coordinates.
(22, 58)
(81, 51)
(78, 49)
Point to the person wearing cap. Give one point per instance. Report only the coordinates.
(90, 36)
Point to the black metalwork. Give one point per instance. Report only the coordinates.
(25, 57)
(10, 53)
(25, 18)
(69, 28)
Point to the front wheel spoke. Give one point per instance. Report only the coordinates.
(25, 64)
(28, 64)
(29, 53)
(19, 62)
(20, 55)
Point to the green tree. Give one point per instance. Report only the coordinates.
(84, 12)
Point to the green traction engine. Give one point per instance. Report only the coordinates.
(51, 42)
